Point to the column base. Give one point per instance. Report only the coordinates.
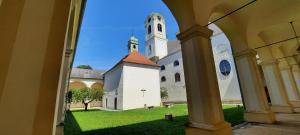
(282, 108)
(59, 130)
(260, 117)
(296, 105)
(203, 129)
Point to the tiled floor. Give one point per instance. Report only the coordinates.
(288, 124)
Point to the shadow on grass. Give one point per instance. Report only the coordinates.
(156, 127)
(71, 125)
(234, 115)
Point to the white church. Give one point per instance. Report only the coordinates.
(133, 82)
(136, 81)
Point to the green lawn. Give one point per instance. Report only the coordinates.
(136, 122)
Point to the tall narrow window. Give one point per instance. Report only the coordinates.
(159, 18)
(163, 79)
(159, 27)
(177, 77)
(150, 50)
(162, 67)
(176, 63)
(149, 29)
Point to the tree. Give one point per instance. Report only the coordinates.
(164, 93)
(68, 100)
(86, 96)
(84, 67)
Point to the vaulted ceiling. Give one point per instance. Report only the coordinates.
(257, 24)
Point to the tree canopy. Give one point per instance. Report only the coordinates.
(86, 95)
(84, 67)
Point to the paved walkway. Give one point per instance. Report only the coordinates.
(288, 124)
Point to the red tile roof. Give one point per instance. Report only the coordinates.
(137, 58)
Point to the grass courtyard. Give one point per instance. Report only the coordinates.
(137, 122)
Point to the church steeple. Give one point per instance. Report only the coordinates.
(133, 44)
(156, 39)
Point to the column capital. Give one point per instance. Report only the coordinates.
(286, 67)
(194, 31)
(245, 53)
(269, 62)
(68, 52)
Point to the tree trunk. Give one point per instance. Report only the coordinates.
(86, 106)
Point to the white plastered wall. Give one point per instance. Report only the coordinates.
(136, 78)
(113, 84)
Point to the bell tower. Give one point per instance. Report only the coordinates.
(133, 44)
(156, 39)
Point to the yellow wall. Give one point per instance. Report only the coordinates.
(77, 85)
(97, 85)
(32, 39)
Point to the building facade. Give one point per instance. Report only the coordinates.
(86, 78)
(172, 73)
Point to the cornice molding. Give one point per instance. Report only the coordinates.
(195, 31)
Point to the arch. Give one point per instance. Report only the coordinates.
(162, 67)
(77, 85)
(177, 77)
(159, 27)
(235, 34)
(97, 85)
(163, 79)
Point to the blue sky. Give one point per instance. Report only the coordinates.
(107, 26)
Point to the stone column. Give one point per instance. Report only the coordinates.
(203, 97)
(253, 93)
(296, 74)
(278, 95)
(291, 87)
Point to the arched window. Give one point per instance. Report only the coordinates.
(163, 79)
(149, 29)
(177, 77)
(225, 67)
(149, 20)
(176, 63)
(159, 27)
(159, 18)
(162, 67)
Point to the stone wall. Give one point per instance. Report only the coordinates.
(92, 104)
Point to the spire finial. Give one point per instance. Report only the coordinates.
(132, 31)
(133, 44)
